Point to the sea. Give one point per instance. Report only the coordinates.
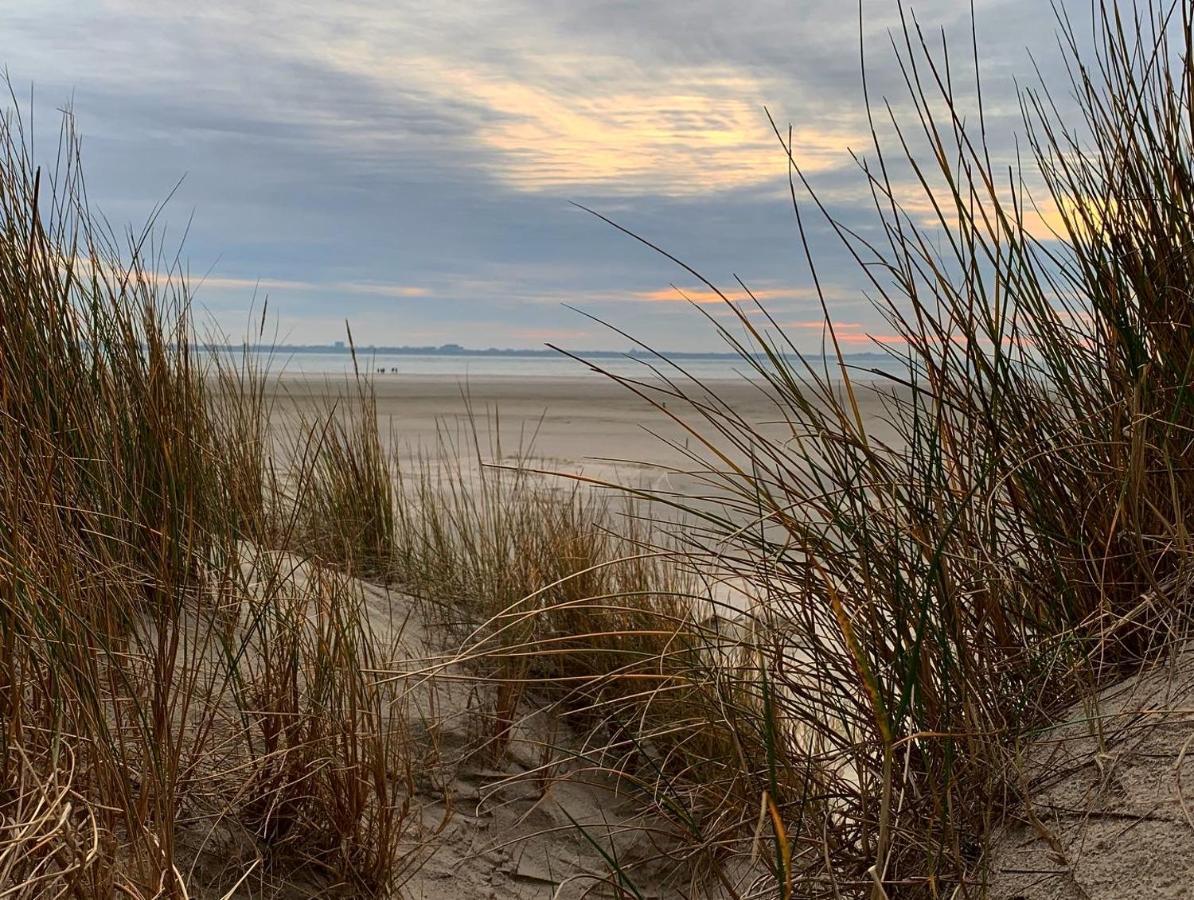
(535, 365)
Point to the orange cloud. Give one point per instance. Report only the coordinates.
(1043, 219)
(368, 288)
(706, 131)
(850, 333)
(706, 296)
(870, 339)
(712, 139)
(565, 120)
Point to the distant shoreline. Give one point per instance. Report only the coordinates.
(456, 350)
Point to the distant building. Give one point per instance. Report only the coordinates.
(339, 345)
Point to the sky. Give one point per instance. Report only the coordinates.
(412, 167)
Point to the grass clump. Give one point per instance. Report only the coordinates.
(919, 603)
(327, 751)
(547, 585)
(345, 507)
(141, 745)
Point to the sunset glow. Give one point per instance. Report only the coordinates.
(412, 167)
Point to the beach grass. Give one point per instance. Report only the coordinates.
(921, 604)
(180, 708)
(193, 692)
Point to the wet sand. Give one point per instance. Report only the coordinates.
(585, 424)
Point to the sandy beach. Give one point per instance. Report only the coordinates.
(587, 424)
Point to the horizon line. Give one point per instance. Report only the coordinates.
(452, 349)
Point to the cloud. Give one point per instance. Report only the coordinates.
(366, 155)
(819, 325)
(703, 296)
(375, 289)
(703, 132)
(553, 118)
(852, 334)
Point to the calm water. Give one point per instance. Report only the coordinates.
(306, 362)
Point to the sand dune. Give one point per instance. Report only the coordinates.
(1110, 787)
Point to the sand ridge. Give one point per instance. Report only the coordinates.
(1111, 788)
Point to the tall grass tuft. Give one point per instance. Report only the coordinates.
(138, 747)
(241, 402)
(548, 586)
(919, 603)
(345, 507)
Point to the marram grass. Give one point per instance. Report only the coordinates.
(182, 640)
